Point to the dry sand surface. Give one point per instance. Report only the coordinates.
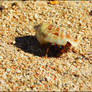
(23, 66)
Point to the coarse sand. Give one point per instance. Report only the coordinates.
(23, 66)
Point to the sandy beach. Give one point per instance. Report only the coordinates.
(23, 66)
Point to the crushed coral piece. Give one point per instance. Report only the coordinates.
(54, 2)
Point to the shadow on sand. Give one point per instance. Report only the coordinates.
(30, 44)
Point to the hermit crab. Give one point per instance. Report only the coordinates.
(49, 33)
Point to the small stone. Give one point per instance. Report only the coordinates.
(53, 2)
(18, 71)
(74, 50)
(48, 78)
(14, 4)
(79, 61)
(76, 75)
(1, 8)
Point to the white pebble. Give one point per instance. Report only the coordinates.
(18, 71)
(36, 16)
(13, 42)
(8, 70)
(1, 57)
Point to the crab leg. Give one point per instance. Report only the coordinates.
(46, 54)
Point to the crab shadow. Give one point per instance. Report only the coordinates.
(30, 44)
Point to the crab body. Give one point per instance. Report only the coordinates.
(47, 33)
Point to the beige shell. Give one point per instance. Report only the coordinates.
(47, 33)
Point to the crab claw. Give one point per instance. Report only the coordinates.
(74, 42)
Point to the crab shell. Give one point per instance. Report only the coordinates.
(47, 33)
